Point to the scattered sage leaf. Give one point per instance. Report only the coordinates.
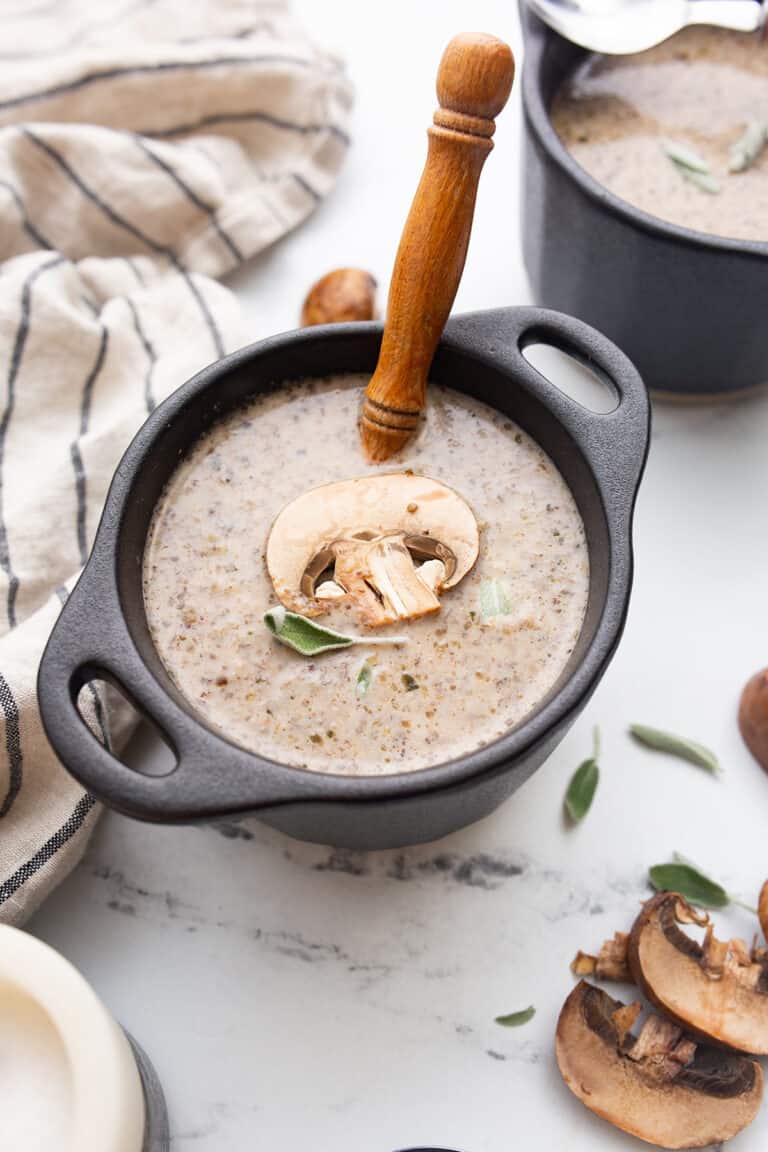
(680, 859)
(689, 882)
(494, 599)
(581, 790)
(691, 165)
(311, 639)
(515, 1019)
(685, 156)
(749, 145)
(676, 746)
(409, 682)
(364, 679)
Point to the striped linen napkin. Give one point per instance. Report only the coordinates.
(145, 146)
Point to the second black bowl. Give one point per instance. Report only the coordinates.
(687, 307)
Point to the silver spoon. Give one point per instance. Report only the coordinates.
(622, 26)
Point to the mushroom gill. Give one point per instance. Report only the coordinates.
(387, 545)
(660, 1085)
(714, 989)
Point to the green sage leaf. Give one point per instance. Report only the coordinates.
(364, 679)
(310, 639)
(684, 156)
(494, 599)
(515, 1019)
(697, 888)
(581, 790)
(746, 150)
(691, 166)
(675, 746)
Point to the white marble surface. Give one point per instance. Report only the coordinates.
(293, 997)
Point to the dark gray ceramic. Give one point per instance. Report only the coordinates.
(102, 631)
(688, 308)
(156, 1135)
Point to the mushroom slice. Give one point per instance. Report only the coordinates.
(713, 989)
(659, 1085)
(391, 543)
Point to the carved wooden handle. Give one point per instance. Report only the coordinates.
(473, 84)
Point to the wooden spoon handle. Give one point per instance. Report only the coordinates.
(473, 83)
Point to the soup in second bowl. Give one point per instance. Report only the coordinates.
(679, 131)
(469, 547)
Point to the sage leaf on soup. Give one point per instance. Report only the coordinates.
(310, 639)
(678, 746)
(691, 166)
(364, 679)
(684, 156)
(494, 599)
(746, 150)
(515, 1019)
(684, 878)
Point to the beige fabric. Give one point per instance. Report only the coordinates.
(144, 147)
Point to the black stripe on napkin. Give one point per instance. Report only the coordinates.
(148, 347)
(48, 850)
(193, 197)
(26, 223)
(12, 745)
(74, 448)
(244, 118)
(103, 74)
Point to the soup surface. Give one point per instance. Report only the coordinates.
(618, 116)
(462, 679)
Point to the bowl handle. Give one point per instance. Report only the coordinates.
(91, 640)
(614, 443)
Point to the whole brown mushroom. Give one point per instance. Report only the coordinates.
(342, 295)
(753, 717)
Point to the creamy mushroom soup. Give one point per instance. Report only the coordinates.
(485, 638)
(678, 131)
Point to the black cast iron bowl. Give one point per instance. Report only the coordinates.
(687, 307)
(103, 633)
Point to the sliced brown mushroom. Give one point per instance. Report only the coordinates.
(386, 544)
(714, 989)
(659, 1085)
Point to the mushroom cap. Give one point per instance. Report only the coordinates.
(711, 1099)
(388, 502)
(667, 965)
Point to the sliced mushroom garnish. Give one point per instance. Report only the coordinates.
(659, 1085)
(714, 989)
(387, 544)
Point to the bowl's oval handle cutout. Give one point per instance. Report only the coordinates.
(113, 718)
(585, 384)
